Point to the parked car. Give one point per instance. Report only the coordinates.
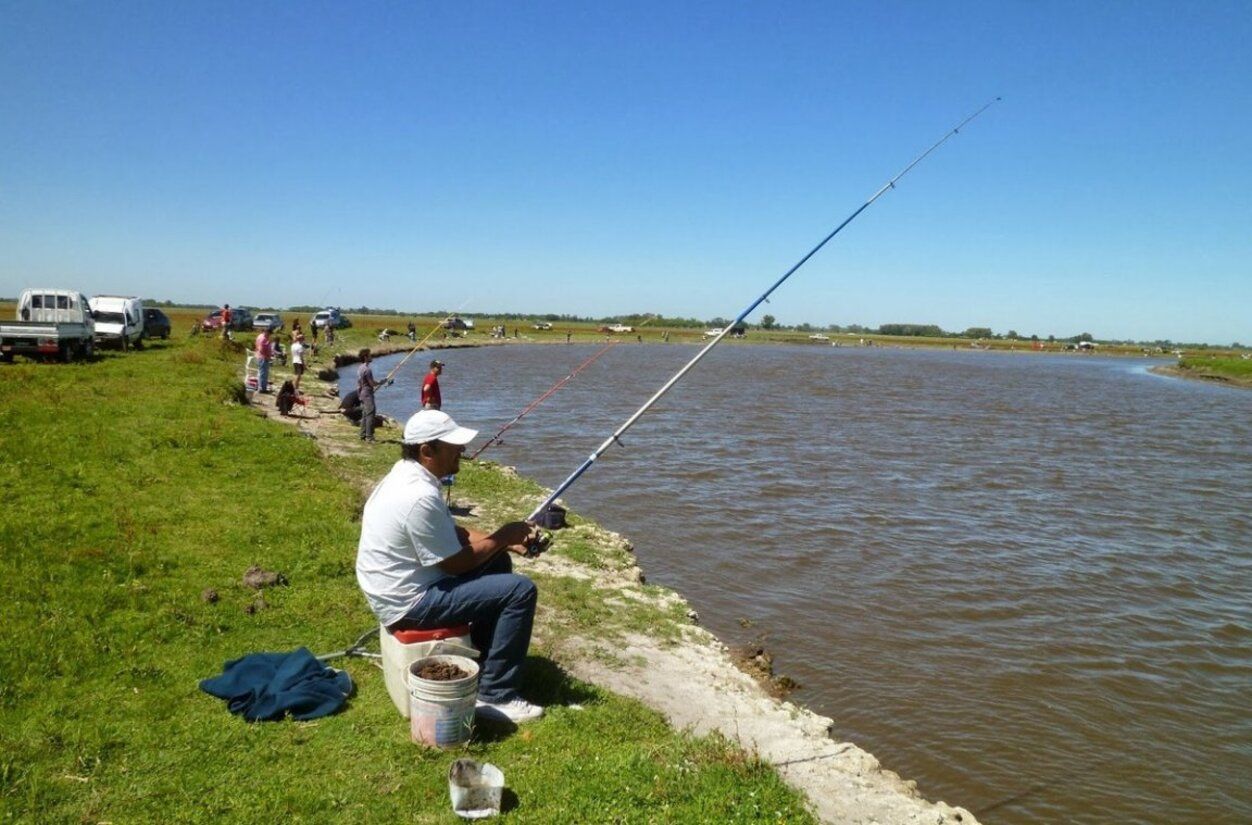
(156, 324)
(240, 318)
(543, 325)
(267, 320)
(617, 328)
(119, 320)
(331, 317)
(50, 322)
(212, 321)
(455, 323)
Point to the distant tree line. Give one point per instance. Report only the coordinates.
(768, 323)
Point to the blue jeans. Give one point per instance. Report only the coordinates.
(500, 605)
(263, 374)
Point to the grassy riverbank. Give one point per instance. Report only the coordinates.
(132, 484)
(1231, 369)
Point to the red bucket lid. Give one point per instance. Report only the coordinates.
(434, 634)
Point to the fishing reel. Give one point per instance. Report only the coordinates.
(540, 541)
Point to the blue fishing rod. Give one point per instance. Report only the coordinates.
(567, 483)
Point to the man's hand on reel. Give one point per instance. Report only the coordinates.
(537, 542)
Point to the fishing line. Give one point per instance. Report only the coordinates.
(422, 342)
(614, 438)
(495, 439)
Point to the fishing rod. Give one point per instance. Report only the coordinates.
(496, 438)
(614, 438)
(422, 342)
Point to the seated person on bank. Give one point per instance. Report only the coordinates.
(420, 570)
(350, 406)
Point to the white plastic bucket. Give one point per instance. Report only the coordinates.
(441, 713)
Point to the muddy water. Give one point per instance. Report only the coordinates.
(1024, 581)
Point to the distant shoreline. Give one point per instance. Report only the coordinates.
(1175, 371)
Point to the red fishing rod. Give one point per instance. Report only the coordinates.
(495, 439)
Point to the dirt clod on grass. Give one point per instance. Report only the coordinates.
(256, 606)
(209, 595)
(257, 577)
(440, 672)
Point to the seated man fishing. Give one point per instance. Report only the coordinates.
(420, 570)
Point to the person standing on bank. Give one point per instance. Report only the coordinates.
(420, 570)
(298, 351)
(365, 386)
(226, 317)
(264, 354)
(431, 399)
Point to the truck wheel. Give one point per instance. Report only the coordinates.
(66, 353)
(139, 342)
(165, 333)
(125, 343)
(6, 357)
(87, 349)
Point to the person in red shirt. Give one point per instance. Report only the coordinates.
(226, 321)
(431, 400)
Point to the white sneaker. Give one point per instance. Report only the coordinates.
(516, 711)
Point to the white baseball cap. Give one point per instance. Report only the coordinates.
(435, 425)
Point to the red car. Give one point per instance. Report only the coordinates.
(212, 321)
(239, 319)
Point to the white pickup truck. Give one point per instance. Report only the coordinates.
(50, 323)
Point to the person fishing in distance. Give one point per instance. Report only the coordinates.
(420, 570)
(431, 398)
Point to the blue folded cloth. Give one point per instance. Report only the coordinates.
(268, 686)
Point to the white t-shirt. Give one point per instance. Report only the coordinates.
(297, 353)
(406, 530)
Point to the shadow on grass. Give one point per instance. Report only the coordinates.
(546, 683)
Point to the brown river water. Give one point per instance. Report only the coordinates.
(1024, 581)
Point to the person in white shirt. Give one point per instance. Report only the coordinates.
(420, 570)
(298, 350)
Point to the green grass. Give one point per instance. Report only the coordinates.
(1232, 368)
(131, 484)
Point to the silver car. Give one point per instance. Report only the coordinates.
(267, 320)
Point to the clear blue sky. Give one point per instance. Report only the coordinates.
(599, 158)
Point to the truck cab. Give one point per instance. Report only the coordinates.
(119, 320)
